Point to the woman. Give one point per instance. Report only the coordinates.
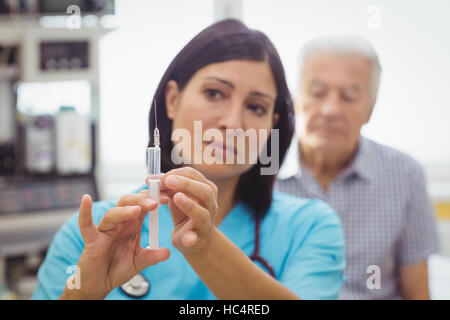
(229, 78)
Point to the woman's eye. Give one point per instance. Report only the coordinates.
(213, 94)
(259, 110)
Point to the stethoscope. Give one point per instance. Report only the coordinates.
(256, 255)
(139, 286)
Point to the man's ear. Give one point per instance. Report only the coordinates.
(172, 97)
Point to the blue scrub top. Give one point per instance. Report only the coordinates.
(302, 239)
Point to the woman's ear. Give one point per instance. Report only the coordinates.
(172, 98)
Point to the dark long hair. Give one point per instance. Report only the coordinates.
(223, 41)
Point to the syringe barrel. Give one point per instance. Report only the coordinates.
(154, 160)
(153, 238)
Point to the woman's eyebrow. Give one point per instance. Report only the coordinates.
(231, 85)
(228, 83)
(262, 95)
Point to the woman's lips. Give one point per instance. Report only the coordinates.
(222, 147)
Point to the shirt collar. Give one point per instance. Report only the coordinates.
(360, 166)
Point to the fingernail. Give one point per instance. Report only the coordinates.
(149, 202)
(172, 181)
(132, 208)
(181, 198)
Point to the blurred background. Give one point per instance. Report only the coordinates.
(77, 78)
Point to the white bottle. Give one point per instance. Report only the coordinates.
(73, 142)
(39, 144)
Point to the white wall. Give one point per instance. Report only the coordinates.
(133, 59)
(413, 109)
(413, 43)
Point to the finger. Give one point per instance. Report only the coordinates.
(115, 216)
(198, 190)
(198, 214)
(189, 238)
(149, 257)
(177, 215)
(138, 199)
(154, 176)
(164, 196)
(85, 222)
(192, 173)
(164, 199)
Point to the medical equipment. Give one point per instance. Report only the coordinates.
(154, 170)
(73, 142)
(39, 144)
(256, 255)
(139, 286)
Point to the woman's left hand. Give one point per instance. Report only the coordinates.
(193, 206)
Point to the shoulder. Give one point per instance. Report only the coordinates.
(310, 237)
(302, 213)
(391, 159)
(387, 153)
(287, 204)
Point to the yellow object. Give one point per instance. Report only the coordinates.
(442, 210)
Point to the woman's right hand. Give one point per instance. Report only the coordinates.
(112, 252)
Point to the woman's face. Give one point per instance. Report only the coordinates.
(222, 98)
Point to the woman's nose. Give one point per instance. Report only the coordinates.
(231, 117)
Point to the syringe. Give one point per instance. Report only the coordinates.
(154, 170)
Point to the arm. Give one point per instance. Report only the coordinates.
(230, 274)
(313, 266)
(414, 281)
(221, 265)
(418, 240)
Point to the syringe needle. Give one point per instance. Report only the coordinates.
(156, 118)
(156, 141)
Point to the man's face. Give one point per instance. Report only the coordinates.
(334, 102)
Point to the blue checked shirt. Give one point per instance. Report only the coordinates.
(387, 217)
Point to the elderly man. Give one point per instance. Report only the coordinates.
(378, 192)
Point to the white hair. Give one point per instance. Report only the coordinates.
(345, 45)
